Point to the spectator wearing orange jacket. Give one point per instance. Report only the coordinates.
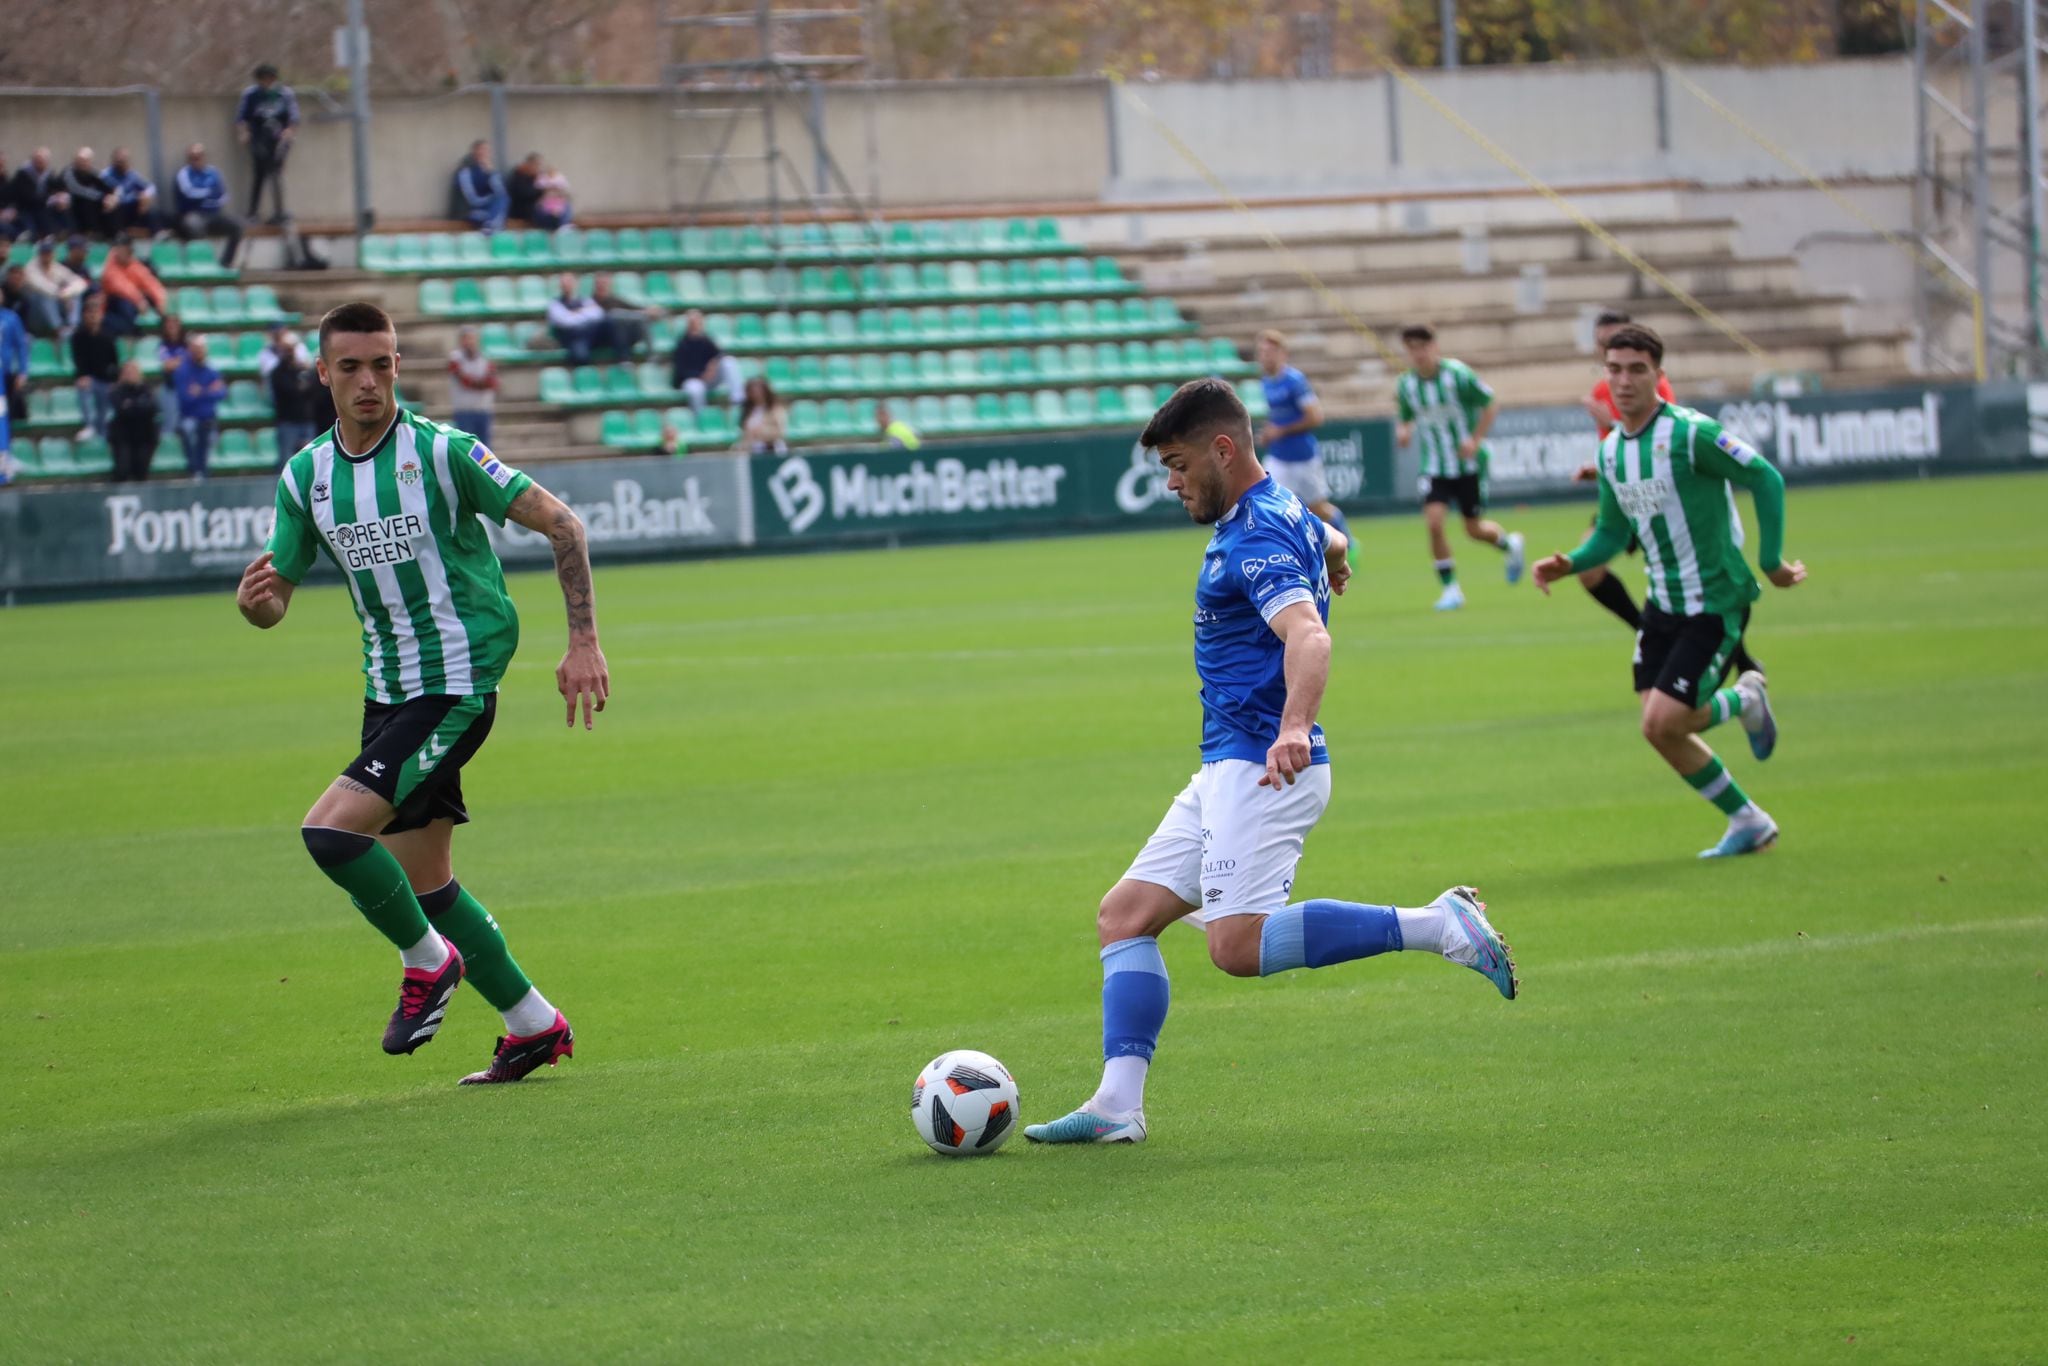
(131, 287)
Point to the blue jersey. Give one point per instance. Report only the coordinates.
(1266, 554)
(1286, 393)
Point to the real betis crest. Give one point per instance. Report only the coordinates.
(409, 472)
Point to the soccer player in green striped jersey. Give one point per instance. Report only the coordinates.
(1448, 409)
(1664, 471)
(393, 500)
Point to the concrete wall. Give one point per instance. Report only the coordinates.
(1077, 141)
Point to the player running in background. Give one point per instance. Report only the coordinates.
(1293, 412)
(1443, 404)
(393, 499)
(1224, 856)
(1665, 470)
(1606, 588)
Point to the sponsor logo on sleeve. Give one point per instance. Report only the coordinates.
(500, 473)
(1252, 568)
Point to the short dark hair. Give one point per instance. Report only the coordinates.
(356, 317)
(266, 72)
(1198, 408)
(1636, 337)
(1611, 317)
(1418, 332)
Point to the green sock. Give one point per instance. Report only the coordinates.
(1713, 783)
(366, 870)
(1724, 704)
(1447, 572)
(487, 964)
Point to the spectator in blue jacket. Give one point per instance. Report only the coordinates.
(201, 203)
(266, 120)
(480, 193)
(13, 366)
(200, 392)
(134, 197)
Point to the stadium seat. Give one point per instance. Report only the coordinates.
(566, 247)
(532, 293)
(45, 361)
(960, 413)
(1080, 404)
(1019, 414)
(1047, 410)
(599, 248)
(614, 428)
(630, 245)
(664, 247)
(556, 386)
(440, 250)
(472, 249)
(437, 297)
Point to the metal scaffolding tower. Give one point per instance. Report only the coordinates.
(1978, 204)
(735, 63)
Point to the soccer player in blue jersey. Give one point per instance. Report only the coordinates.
(1293, 412)
(1224, 856)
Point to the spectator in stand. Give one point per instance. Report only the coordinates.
(200, 200)
(522, 192)
(131, 287)
(284, 344)
(897, 434)
(266, 120)
(14, 291)
(472, 386)
(12, 224)
(292, 382)
(172, 346)
(78, 260)
(55, 293)
(554, 209)
(136, 425)
(96, 360)
(39, 196)
(578, 323)
(13, 367)
(200, 391)
(92, 198)
(134, 197)
(700, 363)
(480, 198)
(628, 321)
(764, 421)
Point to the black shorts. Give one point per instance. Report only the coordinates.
(1468, 491)
(1635, 542)
(1686, 657)
(413, 753)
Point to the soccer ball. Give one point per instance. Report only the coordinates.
(964, 1103)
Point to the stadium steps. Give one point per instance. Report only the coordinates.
(1222, 261)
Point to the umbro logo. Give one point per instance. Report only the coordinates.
(432, 754)
(375, 768)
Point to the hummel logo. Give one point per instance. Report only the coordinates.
(432, 754)
(375, 768)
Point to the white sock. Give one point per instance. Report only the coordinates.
(530, 1015)
(1422, 928)
(430, 953)
(1123, 1087)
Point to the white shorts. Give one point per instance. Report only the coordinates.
(1302, 478)
(1228, 846)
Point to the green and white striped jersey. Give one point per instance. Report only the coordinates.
(1444, 408)
(401, 524)
(1670, 481)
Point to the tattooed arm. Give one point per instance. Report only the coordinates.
(582, 675)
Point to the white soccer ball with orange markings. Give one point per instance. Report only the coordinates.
(964, 1103)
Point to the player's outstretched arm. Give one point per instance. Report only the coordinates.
(1736, 461)
(264, 595)
(1307, 666)
(582, 675)
(1607, 539)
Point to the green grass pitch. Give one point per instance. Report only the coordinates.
(849, 811)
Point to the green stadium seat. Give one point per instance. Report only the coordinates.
(988, 412)
(752, 244)
(245, 400)
(1047, 410)
(621, 382)
(871, 327)
(960, 414)
(500, 296)
(899, 281)
(655, 379)
(507, 249)
(648, 424)
(45, 361)
(586, 384)
(630, 245)
(566, 247)
(840, 287)
(837, 420)
(664, 246)
(54, 455)
(1110, 406)
(599, 247)
(238, 450)
(810, 327)
(1107, 317)
(441, 252)
(1076, 318)
(691, 289)
(753, 286)
(806, 419)
(872, 373)
(1019, 412)
(473, 249)
(1109, 361)
(901, 368)
(1165, 313)
(961, 280)
(931, 368)
(748, 331)
(532, 292)
(721, 287)
(694, 244)
(615, 428)
(437, 298)
(193, 306)
(839, 373)
(556, 386)
(1080, 404)
(1049, 362)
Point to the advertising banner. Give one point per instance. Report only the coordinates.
(172, 532)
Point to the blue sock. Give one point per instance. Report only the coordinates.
(1134, 997)
(1316, 934)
